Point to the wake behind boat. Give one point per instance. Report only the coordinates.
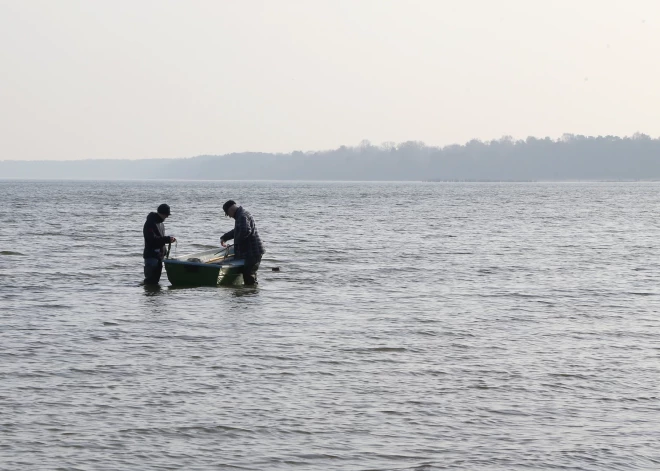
(209, 268)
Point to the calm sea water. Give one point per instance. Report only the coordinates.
(412, 326)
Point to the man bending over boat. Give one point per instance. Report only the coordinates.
(247, 243)
(154, 244)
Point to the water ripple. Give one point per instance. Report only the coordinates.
(412, 326)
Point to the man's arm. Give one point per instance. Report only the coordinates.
(228, 236)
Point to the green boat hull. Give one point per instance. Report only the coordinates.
(196, 270)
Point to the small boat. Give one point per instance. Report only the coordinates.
(209, 268)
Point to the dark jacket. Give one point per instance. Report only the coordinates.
(247, 243)
(155, 239)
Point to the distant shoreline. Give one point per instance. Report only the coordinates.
(570, 158)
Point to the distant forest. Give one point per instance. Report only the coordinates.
(571, 157)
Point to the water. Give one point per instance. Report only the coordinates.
(412, 326)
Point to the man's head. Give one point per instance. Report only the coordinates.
(163, 210)
(230, 208)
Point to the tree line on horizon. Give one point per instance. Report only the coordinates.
(571, 157)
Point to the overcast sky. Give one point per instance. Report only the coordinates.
(146, 79)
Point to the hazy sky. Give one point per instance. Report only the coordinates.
(146, 79)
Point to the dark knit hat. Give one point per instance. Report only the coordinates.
(227, 205)
(164, 209)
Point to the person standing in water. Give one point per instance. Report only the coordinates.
(247, 243)
(155, 241)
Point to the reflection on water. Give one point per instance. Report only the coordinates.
(242, 290)
(152, 290)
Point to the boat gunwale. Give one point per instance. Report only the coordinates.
(228, 261)
(219, 264)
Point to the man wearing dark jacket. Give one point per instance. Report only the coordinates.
(154, 244)
(247, 243)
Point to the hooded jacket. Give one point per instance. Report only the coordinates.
(154, 237)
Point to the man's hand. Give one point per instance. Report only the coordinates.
(222, 242)
(172, 239)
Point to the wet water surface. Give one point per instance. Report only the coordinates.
(412, 326)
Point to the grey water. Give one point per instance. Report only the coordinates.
(412, 326)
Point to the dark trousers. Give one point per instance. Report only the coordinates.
(250, 270)
(153, 267)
